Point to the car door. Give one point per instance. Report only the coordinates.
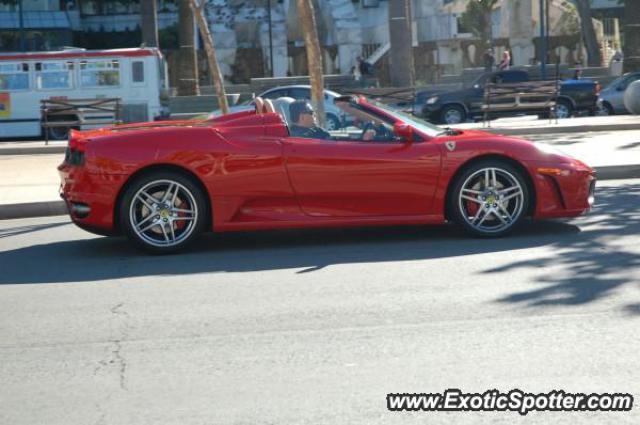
(362, 179)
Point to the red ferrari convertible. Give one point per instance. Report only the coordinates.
(164, 183)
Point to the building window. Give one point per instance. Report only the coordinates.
(100, 74)
(137, 72)
(14, 76)
(54, 75)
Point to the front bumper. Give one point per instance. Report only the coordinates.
(563, 190)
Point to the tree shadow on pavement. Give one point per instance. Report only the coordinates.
(101, 258)
(591, 265)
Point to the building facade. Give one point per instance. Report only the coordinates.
(245, 37)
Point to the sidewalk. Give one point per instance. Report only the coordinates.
(530, 125)
(29, 186)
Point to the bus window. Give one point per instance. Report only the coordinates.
(14, 76)
(53, 75)
(137, 72)
(100, 74)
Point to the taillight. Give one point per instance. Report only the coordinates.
(75, 149)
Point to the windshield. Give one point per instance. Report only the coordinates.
(419, 124)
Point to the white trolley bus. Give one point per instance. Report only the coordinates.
(138, 77)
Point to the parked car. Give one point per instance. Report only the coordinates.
(611, 99)
(164, 183)
(453, 107)
(334, 117)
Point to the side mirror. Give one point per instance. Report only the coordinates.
(404, 131)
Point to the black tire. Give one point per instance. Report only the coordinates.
(151, 241)
(333, 122)
(58, 133)
(606, 109)
(450, 111)
(562, 103)
(459, 208)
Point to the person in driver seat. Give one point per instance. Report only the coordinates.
(304, 123)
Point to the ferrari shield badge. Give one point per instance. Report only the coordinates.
(450, 145)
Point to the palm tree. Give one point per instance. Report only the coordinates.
(594, 58)
(197, 7)
(477, 18)
(632, 36)
(188, 69)
(314, 56)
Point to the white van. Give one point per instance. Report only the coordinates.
(138, 77)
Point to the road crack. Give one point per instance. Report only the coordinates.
(114, 357)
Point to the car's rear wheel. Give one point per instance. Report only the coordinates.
(489, 198)
(332, 123)
(163, 212)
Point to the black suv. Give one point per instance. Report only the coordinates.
(454, 107)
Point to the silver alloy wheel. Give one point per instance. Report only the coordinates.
(452, 116)
(491, 200)
(332, 123)
(163, 213)
(562, 111)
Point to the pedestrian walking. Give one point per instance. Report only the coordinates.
(489, 60)
(505, 63)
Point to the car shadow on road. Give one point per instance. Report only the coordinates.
(101, 258)
(593, 263)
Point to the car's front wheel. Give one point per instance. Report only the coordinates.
(564, 109)
(453, 114)
(489, 198)
(162, 212)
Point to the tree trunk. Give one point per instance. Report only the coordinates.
(400, 36)
(149, 22)
(188, 59)
(197, 8)
(632, 36)
(314, 56)
(588, 32)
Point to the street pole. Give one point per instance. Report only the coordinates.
(270, 39)
(543, 42)
(21, 19)
(401, 38)
(547, 40)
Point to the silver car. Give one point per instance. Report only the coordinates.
(335, 118)
(611, 98)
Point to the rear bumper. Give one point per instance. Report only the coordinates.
(90, 198)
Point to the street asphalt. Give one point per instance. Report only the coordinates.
(317, 326)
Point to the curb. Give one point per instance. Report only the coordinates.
(44, 209)
(33, 150)
(32, 209)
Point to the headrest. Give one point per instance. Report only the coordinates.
(268, 106)
(259, 105)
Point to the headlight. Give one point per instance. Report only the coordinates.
(546, 148)
(432, 100)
